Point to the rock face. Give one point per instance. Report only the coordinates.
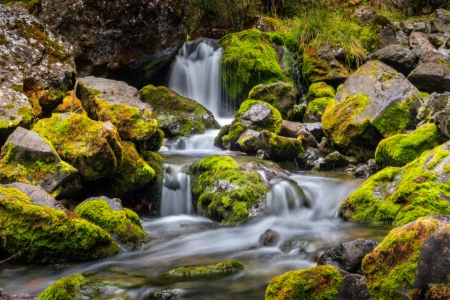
(436, 109)
(280, 95)
(28, 158)
(398, 57)
(432, 74)
(107, 35)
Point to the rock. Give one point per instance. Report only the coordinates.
(225, 191)
(432, 74)
(366, 170)
(321, 282)
(320, 90)
(296, 114)
(401, 195)
(295, 129)
(48, 235)
(176, 115)
(106, 36)
(390, 268)
(388, 36)
(28, 158)
(228, 267)
(316, 130)
(316, 108)
(398, 57)
(115, 101)
(280, 95)
(407, 26)
(269, 238)
(92, 147)
(348, 256)
(419, 41)
(218, 142)
(34, 59)
(37, 194)
(365, 14)
(64, 288)
(333, 161)
(353, 286)
(312, 159)
(7, 296)
(248, 142)
(435, 106)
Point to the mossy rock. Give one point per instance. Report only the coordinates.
(297, 113)
(92, 147)
(176, 115)
(45, 235)
(401, 149)
(223, 190)
(391, 267)
(66, 105)
(248, 60)
(316, 108)
(225, 268)
(320, 90)
(66, 288)
(115, 101)
(280, 95)
(111, 216)
(319, 283)
(401, 195)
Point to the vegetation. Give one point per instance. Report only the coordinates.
(228, 267)
(65, 288)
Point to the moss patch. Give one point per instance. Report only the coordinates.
(320, 90)
(280, 95)
(316, 108)
(65, 288)
(228, 267)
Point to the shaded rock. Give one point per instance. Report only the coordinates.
(333, 161)
(269, 238)
(433, 105)
(407, 26)
(354, 286)
(400, 58)
(295, 129)
(432, 74)
(316, 130)
(366, 170)
(348, 256)
(248, 142)
(218, 142)
(419, 41)
(296, 114)
(280, 95)
(388, 36)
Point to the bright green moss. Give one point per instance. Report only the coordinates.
(394, 120)
(400, 149)
(316, 108)
(65, 288)
(391, 267)
(320, 90)
(424, 95)
(319, 283)
(124, 224)
(223, 190)
(44, 235)
(280, 95)
(228, 267)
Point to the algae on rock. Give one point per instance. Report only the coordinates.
(227, 267)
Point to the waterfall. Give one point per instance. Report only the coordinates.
(176, 195)
(196, 73)
(284, 197)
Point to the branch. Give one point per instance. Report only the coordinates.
(11, 257)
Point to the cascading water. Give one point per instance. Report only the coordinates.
(285, 197)
(176, 194)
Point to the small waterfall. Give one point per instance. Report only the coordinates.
(285, 197)
(176, 195)
(196, 73)
(202, 142)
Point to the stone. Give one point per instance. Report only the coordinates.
(280, 95)
(432, 74)
(37, 194)
(407, 26)
(388, 35)
(348, 256)
(269, 238)
(364, 14)
(366, 170)
(398, 57)
(333, 161)
(316, 108)
(419, 40)
(312, 159)
(433, 105)
(295, 129)
(354, 286)
(4, 295)
(316, 130)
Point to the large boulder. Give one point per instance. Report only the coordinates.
(115, 101)
(176, 115)
(39, 233)
(92, 147)
(401, 195)
(354, 286)
(398, 57)
(280, 95)
(375, 102)
(223, 190)
(432, 74)
(295, 130)
(27, 157)
(108, 35)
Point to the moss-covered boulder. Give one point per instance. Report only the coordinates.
(391, 267)
(111, 216)
(320, 283)
(280, 95)
(67, 107)
(316, 108)
(117, 102)
(255, 115)
(400, 149)
(223, 191)
(248, 60)
(401, 195)
(176, 115)
(41, 233)
(66, 288)
(92, 147)
(225, 268)
(320, 90)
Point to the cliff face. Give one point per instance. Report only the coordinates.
(109, 34)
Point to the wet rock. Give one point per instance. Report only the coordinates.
(4, 295)
(164, 295)
(296, 114)
(269, 238)
(348, 256)
(280, 95)
(333, 161)
(432, 74)
(295, 129)
(354, 286)
(400, 58)
(227, 267)
(218, 142)
(365, 170)
(258, 209)
(248, 142)
(312, 159)
(108, 35)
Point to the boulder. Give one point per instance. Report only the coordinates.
(316, 130)
(36, 194)
(333, 161)
(224, 268)
(49, 235)
(398, 57)
(348, 256)
(311, 159)
(176, 115)
(223, 190)
(419, 41)
(269, 238)
(64, 288)
(92, 147)
(117, 102)
(26, 157)
(401, 195)
(316, 108)
(354, 286)
(280, 95)
(109, 35)
(432, 74)
(433, 105)
(295, 129)
(365, 170)
(320, 90)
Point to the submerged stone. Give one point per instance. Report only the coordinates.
(228, 267)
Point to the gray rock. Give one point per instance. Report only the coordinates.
(258, 113)
(400, 58)
(333, 161)
(407, 26)
(37, 194)
(114, 204)
(353, 287)
(269, 238)
(388, 36)
(365, 14)
(312, 159)
(365, 170)
(295, 129)
(248, 142)
(316, 130)
(420, 41)
(433, 105)
(280, 95)
(432, 74)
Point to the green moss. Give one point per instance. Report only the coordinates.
(391, 267)
(316, 108)
(228, 267)
(400, 149)
(320, 90)
(65, 288)
(319, 283)
(394, 120)
(218, 140)
(297, 113)
(280, 148)
(125, 224)
(424, 95)
(223, 190)
(44, 235)
(280, 95)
